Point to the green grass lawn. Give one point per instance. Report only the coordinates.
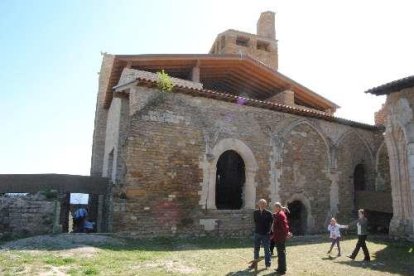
(100, 255)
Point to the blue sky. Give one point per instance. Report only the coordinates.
(51, 56)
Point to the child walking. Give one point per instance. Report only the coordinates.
(335, 234)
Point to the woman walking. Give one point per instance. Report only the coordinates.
(361, 224)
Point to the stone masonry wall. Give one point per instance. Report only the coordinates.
(169, 156)
(304, 174)
(117, 124)
(101, 115)
(348, 160)
(286, 97)
(26, 216)
(399, 138)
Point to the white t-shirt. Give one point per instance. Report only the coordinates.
(359, 228)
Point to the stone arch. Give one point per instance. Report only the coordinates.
(325, 140)
(352, 151)
(286, 131)
(364, 142)
(249, 190)
(310, 220)
(296, 123)
(377, 155)
(382, 174)
(304, 169)
(230, 179)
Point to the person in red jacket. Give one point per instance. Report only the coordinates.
(280, 234)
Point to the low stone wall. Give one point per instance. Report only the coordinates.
(27, 215)
(374, 201)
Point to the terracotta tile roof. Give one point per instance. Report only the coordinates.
(260, 104)
(393, 86)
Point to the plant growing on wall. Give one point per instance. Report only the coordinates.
(164, 81)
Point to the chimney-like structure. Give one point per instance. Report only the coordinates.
(261, 46)
(266, 25)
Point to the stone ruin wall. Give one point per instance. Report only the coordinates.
(399, 138)
(26, 215)
(169, 153)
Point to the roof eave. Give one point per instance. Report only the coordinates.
(392, 87)
(289, 82)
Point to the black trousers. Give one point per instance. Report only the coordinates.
(281, 256)
(272, 246)
(361, 243)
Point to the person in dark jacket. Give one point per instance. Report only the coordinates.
(280, 234)
(79, 218)
(361, 224)
(263, 223)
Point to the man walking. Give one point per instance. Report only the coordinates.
(263, 222)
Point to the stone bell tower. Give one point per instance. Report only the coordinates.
(266, 25)
(261, 46)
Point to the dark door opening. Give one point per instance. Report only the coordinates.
(297, 217)
(230, 179)
(359, 178)
(359, 182)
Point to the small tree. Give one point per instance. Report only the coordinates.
(164, 81)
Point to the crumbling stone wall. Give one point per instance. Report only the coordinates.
(170, 153)
(399, 138)
(26, 215)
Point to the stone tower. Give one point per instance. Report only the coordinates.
(261, 46)
(266, 25)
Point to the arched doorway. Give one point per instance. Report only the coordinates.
(297, 217)
(359, 182)
(359, 178)
(230, 178)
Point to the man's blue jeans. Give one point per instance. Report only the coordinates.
(265, 241)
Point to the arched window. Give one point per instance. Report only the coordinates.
(359, 178)
(230, 178)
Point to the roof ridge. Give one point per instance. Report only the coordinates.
(269, 105)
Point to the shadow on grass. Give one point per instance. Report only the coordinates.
(396, 257)
(249, 271)
(246, 271)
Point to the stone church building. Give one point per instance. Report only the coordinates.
(194, 161)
